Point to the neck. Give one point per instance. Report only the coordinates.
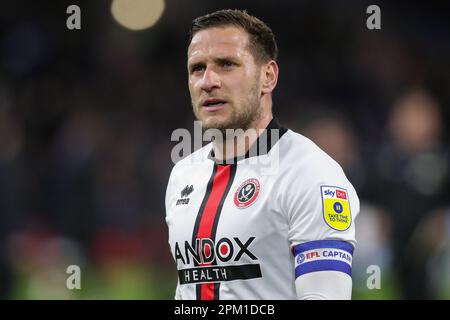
(239, 142)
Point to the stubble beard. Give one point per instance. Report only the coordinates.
(243, 117)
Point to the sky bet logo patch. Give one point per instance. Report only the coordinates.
(336, 207)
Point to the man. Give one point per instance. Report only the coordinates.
(236, 232)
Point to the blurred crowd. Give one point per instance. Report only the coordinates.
(86, 118)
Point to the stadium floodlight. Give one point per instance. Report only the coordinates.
(137, 14)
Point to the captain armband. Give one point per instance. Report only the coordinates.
(323, 255)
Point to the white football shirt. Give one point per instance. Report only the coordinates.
(247, 230)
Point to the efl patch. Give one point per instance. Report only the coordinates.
(247, 193)
(336, 207)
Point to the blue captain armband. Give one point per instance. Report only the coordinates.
(323, 255)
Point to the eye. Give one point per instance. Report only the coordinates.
(228, 64)
(197, 68)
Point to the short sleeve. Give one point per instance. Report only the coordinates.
(321, 206)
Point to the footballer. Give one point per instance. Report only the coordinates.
(235, 231)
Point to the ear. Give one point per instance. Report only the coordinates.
(269, 77)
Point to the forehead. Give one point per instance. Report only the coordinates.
(228, 40)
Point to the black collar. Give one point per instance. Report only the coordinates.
(258, 148)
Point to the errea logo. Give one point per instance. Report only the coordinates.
(184, 195)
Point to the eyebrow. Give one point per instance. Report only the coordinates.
(217, 60)
(225, 59)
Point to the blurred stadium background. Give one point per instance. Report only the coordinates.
(86, 118)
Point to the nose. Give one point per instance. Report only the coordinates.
(210, 80)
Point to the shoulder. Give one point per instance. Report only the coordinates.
(307, 172)
(300, 155)
(195, 166)
(196, 159)
(316, 196)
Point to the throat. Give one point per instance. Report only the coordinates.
(234, 144)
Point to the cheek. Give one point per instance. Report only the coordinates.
(195, 86)
(191, 88)
(245, 89)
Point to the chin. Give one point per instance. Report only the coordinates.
(216, 122)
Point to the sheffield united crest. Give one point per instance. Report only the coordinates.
(247, 193)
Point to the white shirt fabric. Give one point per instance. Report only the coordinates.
(278, 225)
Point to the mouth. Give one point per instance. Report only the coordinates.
(213, 104)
